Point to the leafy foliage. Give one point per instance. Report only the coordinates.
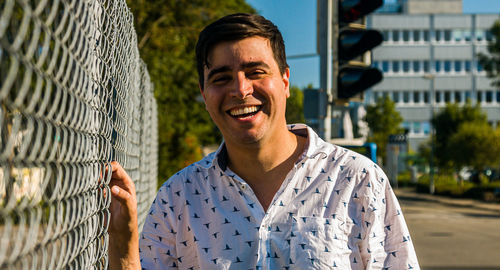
(167, 32)
(295, 106)
(447, 123)
(383, 120)
(476, 145)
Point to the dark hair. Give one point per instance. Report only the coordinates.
(237, 27)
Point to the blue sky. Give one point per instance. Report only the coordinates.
(297, 21)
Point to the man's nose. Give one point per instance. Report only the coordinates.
(242, 86)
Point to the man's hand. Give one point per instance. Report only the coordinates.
(123, 231)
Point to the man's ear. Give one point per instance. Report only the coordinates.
(286, 82)
(201, 91)
(202, 95)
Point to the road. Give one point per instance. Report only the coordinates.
(449, 235)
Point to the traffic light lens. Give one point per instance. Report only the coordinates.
(355, 79)
(354, 42)
(352, 15)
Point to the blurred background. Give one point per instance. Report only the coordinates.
(432, 121)
(411, 84)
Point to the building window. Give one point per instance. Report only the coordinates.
(426, 35)
(467, 35)
(480, 35)
(395, 35)
(406, 66)
(467, 66)
(416, 66)
(437, 66)
(447, 35)
(416, 35)
(489, 96)
(406, 97)
(498, 96)
(479, 96)
(416, 97)
(375, 64)
(468, 95)
(438, 35)
(458, 96)
(458, 66)
(395, 96)
(457, 35)
(385, 66)
(416, 127)
(406, 35)
(426, 66)
(447, 66)
(447, 96)
(426, 128)
(385, 34)
(426, 97)
(395, 66)
(437, 96)
(479, 66)
(376, 96)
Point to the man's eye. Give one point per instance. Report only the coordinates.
(221, 79)
(257, 73)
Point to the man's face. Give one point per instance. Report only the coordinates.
(244, 91)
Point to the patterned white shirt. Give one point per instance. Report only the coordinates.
(334, 210)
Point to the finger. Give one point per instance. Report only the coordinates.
(120, 177)
(128, 186)
(118, 171)
(121, 195)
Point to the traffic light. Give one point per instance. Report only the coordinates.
(354, 73)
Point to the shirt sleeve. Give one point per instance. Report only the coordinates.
(157, 242)
(387, 243)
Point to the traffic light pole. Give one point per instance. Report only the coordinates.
(326, 15)
(340, 42)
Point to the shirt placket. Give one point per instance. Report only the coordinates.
(271, 217)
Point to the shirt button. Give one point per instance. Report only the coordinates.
(243, 186)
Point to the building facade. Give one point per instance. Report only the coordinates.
(429, 60)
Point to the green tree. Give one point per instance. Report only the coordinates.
(491, 61)
(446, 123)
(383, 120)
(167, 31)
(475, 145)
(295, 106)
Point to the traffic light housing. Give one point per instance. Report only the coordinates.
(354, 74)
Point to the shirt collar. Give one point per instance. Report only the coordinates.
(315, 146)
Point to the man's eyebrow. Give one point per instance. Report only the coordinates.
(255, 64)
(217, 70)
(222, 69)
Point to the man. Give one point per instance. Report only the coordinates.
(272, 196)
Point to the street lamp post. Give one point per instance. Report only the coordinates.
(432, 97)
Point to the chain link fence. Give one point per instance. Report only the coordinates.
(74, 95)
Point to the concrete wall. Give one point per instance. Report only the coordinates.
(432, 6)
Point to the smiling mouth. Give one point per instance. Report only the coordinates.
(244, 112)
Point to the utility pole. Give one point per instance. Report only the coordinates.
(325, 41)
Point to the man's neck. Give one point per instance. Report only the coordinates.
(264, 165)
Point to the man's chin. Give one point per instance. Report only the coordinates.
(244, 138)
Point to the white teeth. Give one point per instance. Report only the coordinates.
(244, 110)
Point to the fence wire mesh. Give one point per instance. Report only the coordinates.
(74, 95)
